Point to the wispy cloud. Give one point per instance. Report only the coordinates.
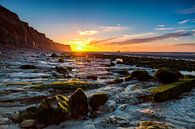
(88, 32)
(187, 10)
(121, 38)
(113, 28)
(161, 25)
(184, 21)
(164, 28)
(185, 44)
(149, 39)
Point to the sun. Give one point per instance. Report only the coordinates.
(78, 46)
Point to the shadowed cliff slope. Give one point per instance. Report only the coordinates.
(15, 33)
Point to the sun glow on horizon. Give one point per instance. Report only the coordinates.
(79, 45)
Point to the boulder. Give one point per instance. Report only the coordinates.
(28, 67)
(78, 103)
(140, 75)
(172, 90)
(167, 75)
(28, 123)
(123, 72)
(54, 55)
(97, 100)
(61, 60)
(54, 110)
(92, 77)
(63, 70)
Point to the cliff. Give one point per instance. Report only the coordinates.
(15, 33)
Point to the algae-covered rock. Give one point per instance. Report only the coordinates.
(154, 125)
(28, 67)
(118, 80)
(54, 110)
(172, 90)
(167, 75)
(68, 86)
(97, 100)
(128, 78)
(78, 103)
(140, 75)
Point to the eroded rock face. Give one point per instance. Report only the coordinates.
(78, 103)
(16, 33)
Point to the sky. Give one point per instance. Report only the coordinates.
(112, 25)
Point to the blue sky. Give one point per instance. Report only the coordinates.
(98, 20)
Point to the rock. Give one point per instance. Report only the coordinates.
(62, 70)
(123, 72)
(97, 100)
(118, 121)
(28, 123)
(32, 111)
(123, 107)
(172, 90)
(119, 61)
(140, 75)
(167, 75)
(117, 80)
(61, 60)
(78, 103)
(128, 78)
(92, 77)
(28, 67)
(4, 121)
(54, 55)
(54, 110)
(154, 125)
(110, 106)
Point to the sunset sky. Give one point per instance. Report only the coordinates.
(112, 25)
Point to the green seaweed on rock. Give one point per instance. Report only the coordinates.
(172, 90)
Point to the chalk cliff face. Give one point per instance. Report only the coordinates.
(15, 33)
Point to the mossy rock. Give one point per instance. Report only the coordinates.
(67, 86)
(54, 110)
(154, 125)
(118, 80)
(140, 75)
(97, 100)
(167, 75)
(172, 90)
(78, 103)
(128, 78)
